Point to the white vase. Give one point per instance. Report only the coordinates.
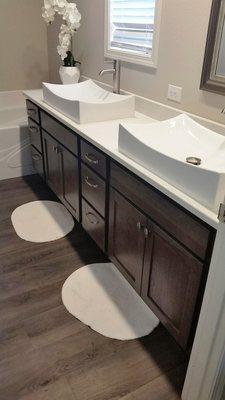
(69, 75)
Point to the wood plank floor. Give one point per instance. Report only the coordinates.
(45, 353)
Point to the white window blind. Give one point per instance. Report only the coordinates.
(132, 26)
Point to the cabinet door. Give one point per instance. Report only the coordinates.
(52, 164)
(126, 239)
(171, 280)
(70, 179)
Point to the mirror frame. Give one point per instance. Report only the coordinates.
(207, 82)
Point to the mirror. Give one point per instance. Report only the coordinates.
(213, 73)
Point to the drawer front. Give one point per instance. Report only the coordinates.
(35, 134)
(93, 224)
(37, 160)
(93, 158)
(181, 225)
(59, 132)
(93, 189)
(32, 111)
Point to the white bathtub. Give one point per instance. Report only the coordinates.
(15, 157)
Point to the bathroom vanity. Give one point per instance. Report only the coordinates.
(160, 247)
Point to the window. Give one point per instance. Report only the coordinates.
(132, 30)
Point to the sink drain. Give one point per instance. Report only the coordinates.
(194, 160)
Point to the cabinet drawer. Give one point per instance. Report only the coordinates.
(59, 132)
(32, 111)
(94, 158)
(180, 224)
(93, 224)
(93, 189)
(37, 160)
(35, 134)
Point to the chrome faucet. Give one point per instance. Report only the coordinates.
(116, 74)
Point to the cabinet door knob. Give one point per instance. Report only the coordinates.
(89, 183)
(31, 111)
(36, 157)
(140, 227)
(58, 150)
(92, 218)
(146, 232)
(91, 158)
(33, 128)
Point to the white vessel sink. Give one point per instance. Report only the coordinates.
(87, 102)
(163, 148)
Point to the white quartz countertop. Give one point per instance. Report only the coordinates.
(104, 135)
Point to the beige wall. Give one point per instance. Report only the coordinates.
(182, 44)
(53, 57)
(23, 45)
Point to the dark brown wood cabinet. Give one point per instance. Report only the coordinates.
(35, 135)
(170, 283)
(93, 224)
(162, 271)
(62, 173)
(161, 249)
(37, 161)
(93, 189)
(52, 164)
(70, 181)
(33, 111)
(126, 238)
(94, 158)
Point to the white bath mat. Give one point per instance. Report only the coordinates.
(42, 221)
(99, 296)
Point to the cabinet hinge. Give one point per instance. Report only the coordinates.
(221, 214)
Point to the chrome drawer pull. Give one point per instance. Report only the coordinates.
(36, 157)
(93, 222)
(33, 129)
(92, 185)
(91, 158)
(31, 110)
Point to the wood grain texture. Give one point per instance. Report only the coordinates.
(35, 134)
(60, 132)
(70, 179)
(126, 241)
(94, 224)
(45, 353)
(33, 111)
(93, 189)
(94, 158)
(186, 228)
(171, 282)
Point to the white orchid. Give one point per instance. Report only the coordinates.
(70, 15)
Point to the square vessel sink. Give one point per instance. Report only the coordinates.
(167, 148)
(87, 102)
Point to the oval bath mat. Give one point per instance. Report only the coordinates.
(42, 221)
(100, 297)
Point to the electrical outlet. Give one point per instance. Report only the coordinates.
(174, 93)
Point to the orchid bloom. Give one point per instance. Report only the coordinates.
(71, 17)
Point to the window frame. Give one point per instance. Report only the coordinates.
(128, 57)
